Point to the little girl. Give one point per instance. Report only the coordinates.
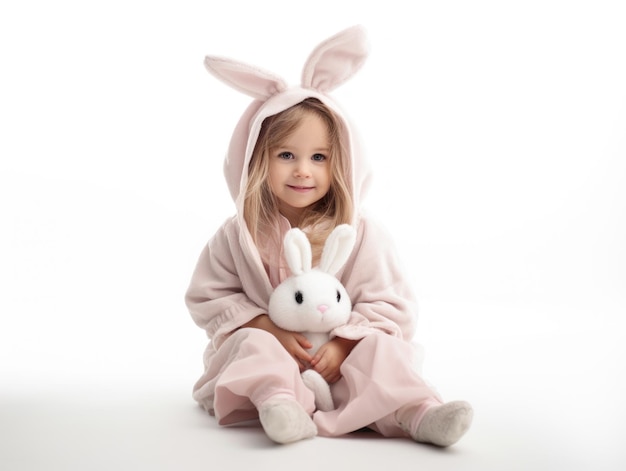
(294, 161)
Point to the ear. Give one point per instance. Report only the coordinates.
(336, 60)
(252, 81)
(337, 248)
(298, 251)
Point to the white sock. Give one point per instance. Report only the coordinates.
(285, 420)
(444, 425)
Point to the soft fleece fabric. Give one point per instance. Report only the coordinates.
(231, 285)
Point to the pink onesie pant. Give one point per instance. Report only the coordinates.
(377, 379)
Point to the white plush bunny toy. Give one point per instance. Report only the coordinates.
(312, 301)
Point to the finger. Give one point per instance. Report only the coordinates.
(325, 372)
(316, 359)
(332, 376)
(328, 376)
(303, 356)
(320, 358)
(319, 365)
(302, 340)
(303, 363)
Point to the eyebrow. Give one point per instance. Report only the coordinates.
(323, 150)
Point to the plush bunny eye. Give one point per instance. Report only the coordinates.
(338, 296)
(298, 297)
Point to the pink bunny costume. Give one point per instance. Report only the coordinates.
(244, 367)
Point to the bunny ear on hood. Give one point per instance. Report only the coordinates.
(335, 60)
(331, 63)
(252, 81)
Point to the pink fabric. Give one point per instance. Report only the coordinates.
(258, 368)
(377, 381)
(254, 366)
(230, 286)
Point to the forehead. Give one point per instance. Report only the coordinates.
(309, 127)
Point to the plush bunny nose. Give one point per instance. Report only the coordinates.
(322, 308)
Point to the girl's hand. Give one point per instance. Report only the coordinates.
(295, 343)
(330, 356)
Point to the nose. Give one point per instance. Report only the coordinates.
(322, 308)
(302, 170)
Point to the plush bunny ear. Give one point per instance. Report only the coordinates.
(252, 81)
(298, 251)
(337, 248)
(336, 60)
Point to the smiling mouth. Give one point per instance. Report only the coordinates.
(301, 188)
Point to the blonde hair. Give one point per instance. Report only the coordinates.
(261, 206)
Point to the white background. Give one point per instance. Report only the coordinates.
(497, 131)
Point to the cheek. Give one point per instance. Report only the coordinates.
(324, 176)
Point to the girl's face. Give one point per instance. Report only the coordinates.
(299, 171)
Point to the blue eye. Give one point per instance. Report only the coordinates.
(318, 157)
(285, 155)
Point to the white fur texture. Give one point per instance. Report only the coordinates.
(313, 301)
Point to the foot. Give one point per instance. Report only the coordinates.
(444, 425)
(285, 420)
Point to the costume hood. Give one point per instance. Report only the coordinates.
(331, 63)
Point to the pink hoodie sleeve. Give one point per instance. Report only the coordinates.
(215, 298)
(381, 296)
